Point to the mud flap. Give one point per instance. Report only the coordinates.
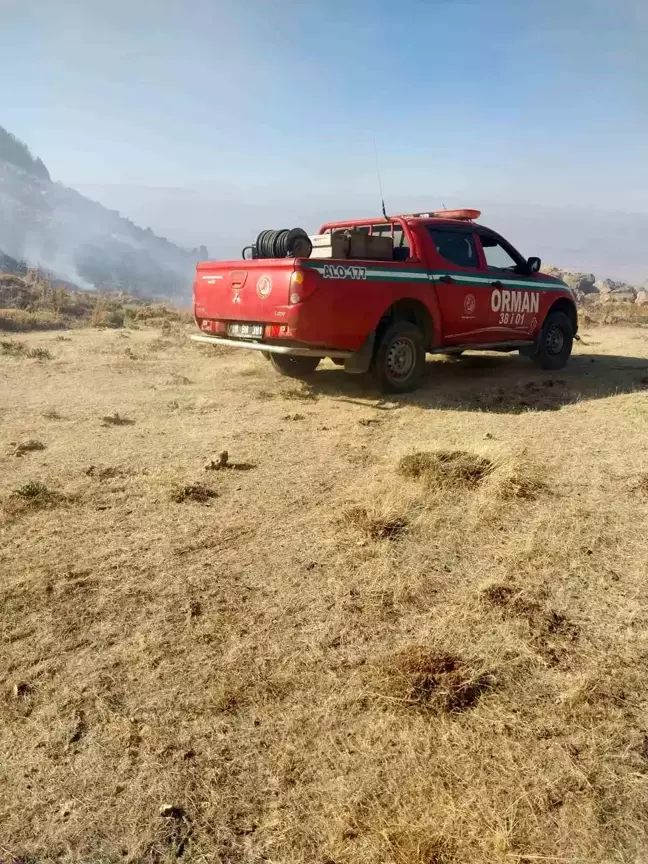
(360, 361)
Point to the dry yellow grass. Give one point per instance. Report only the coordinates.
(34, 302)
(266, 674)
(598, 312)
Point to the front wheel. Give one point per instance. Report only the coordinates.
(294, 367)
(399, 360)
(555, 343)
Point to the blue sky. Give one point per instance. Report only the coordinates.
(152, 106)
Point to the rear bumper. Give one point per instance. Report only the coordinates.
(293, 350)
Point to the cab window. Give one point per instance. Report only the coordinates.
(401, 250)
(457, 247)
(497, 257)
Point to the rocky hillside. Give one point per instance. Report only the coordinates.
(47, 225)
(587, 287)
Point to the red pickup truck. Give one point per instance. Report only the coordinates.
(450, 285)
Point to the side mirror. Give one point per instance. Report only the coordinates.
(534, 265)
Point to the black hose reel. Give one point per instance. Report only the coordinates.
(285, 243)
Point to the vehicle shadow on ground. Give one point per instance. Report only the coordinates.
(507, 384)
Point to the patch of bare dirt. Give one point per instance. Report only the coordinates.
(437, 681)
(197, 492)
(109, 472)
(33, 495)
(32, 445)
(116, 419)
(389, 525)
(446, 467)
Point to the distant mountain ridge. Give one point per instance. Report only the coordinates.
(51, 226)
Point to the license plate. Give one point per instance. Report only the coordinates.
(245, 331)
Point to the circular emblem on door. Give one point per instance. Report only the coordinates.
(264, 286)
(469, 304)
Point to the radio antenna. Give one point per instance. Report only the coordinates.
(380, 186)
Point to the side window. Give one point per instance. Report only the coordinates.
(497, 258)
(455, 246)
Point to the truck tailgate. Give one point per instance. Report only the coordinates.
(256, 291)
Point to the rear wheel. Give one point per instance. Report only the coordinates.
(399, 359)
(294, 367)
(555, 343)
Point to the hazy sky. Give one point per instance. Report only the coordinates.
(169, 106)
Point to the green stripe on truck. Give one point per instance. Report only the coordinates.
(389, 274)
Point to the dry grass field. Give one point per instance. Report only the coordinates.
(374, 631)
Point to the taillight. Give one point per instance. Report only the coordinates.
(217, 327)
(302, 285)
(278, 331)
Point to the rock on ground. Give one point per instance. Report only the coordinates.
(619, 297)
(610, 286)
(577, 281)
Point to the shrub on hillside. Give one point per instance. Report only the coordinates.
(32, 302)
(106, 315)
(19, 320)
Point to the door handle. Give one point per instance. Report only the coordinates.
(448, 280)
(496, 284)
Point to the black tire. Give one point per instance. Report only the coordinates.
(555, 342)
(399, 359)
(294, 367)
